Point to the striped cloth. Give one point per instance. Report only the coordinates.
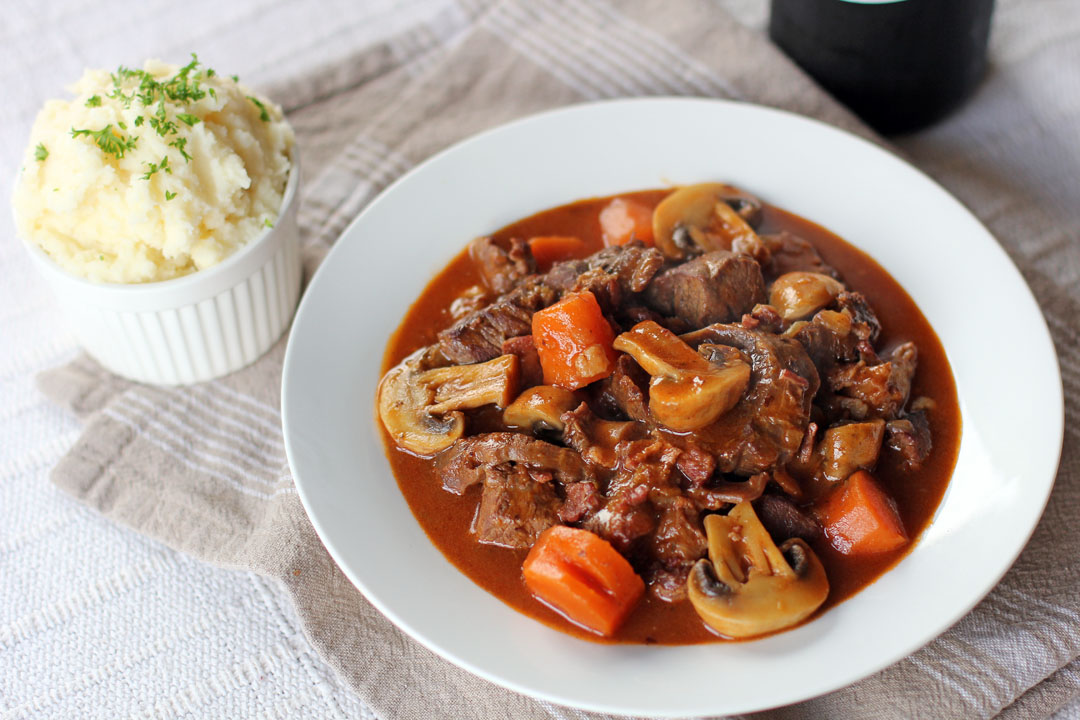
(203, 469)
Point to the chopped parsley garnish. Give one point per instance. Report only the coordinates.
(263, 115)
(111, 142)
(267, 223)
(156, 167)
(179, 144)
(166, 103)
(40, 153)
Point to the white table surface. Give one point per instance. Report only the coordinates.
(97, 621)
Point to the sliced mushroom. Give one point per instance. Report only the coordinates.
(421, 409)
(847, 448)
(687, 392)
(539, 408)
(751, 586)
(797, 295)
(700, 218)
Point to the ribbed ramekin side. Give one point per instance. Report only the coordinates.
(201, 340)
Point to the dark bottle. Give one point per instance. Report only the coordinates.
(898, 64)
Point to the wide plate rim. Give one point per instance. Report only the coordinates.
(778, 699)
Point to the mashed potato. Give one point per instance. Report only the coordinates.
(149, 175)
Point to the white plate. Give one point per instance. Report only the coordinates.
(951, 266)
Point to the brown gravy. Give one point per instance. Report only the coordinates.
(446, 518)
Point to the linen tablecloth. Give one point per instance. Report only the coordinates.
(378, 109)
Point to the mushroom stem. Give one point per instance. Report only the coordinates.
(462, 387)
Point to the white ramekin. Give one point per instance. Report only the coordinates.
(192, 328)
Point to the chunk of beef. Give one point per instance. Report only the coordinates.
(763, 318)
(697, 465)
(468, 461)
(910, 437)
(767, 426)
(604, 286)
(625, 391)
(479, 336)
(514, 509)
(532, 373)
(721, 494)
(840, 336)
(785, 520)
(716, 287)
(647, 465)
(787, 253)
(632, 266)
(883, 388)
(645, 477)
(596, 439)
(620, 270)
(502, 267)
(828, 339)
(677, 543)
(865, 323)
(582, 498)
(623, 520)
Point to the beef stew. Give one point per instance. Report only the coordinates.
(667, 370)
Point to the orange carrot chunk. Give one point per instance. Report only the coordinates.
(623, 219)
(550, 249)
(582, 576)
(861, 519)
(574, 341)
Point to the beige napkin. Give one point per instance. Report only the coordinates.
(203, 468)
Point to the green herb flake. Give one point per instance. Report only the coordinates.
(100, 257)
(235, 78)
(163, 166)
(110, 141)
(40, 153)
(267, 223)
(263, 115)
(169, 195)
(164, 100)
(180, 144)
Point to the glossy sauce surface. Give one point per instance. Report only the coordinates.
(446, 518)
